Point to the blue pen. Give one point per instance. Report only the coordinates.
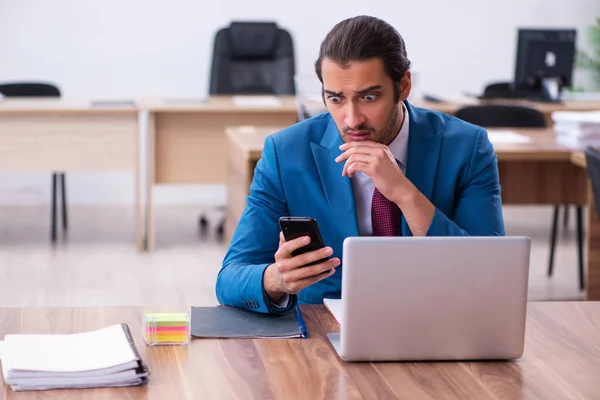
(303, 330)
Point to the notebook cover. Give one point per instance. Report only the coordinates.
(231, 322)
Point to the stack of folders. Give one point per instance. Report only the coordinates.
(103, 358)
(577, 129)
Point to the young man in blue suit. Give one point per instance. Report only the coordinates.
(372, 165)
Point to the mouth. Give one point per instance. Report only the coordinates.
(358, 136)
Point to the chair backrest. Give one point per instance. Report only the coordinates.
(500, 116)
(592, 158)
(498, 90)
(507, 90)
(253, 58)
(29, 89)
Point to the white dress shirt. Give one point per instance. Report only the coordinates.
(363, 187)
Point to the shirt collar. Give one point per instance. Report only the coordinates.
(399, 146)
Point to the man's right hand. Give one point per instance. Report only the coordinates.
(289, 275)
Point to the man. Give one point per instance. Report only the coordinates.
(372, 165)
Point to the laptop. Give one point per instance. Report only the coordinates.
(432, 298)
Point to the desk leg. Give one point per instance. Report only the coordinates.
(592, 284)
(151, 178)
(139, 219)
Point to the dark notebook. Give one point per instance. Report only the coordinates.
(230, 322)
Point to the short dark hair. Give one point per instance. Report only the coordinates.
(361, 38)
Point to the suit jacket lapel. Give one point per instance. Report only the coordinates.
(337, 188)
(424, 145)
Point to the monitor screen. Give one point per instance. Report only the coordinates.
(545, 53)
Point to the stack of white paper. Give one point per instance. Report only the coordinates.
(577, 129)
(102, 358)
(502, 136)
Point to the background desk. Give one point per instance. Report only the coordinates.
(537, 173)
(451, 107)
(561, 361)
(186, 140)
(45, 135)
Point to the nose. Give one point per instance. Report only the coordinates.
(353, 117)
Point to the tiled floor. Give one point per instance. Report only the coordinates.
(98, 264)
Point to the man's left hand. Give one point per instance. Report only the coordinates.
(375, 160)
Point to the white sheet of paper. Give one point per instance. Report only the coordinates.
(87, 351)
(257, 101)
(335, 308)
(1, 345)
(505, 136)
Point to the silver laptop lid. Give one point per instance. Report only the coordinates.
(434, 298)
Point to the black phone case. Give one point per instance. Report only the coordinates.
(294, 227)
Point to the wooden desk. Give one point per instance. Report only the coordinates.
(561, 361)
(39, 135)
(540, 172)
(244, 149)
(186, 140)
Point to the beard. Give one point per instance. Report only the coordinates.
(390, 131)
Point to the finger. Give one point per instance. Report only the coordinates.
(359, 167)
(365, 158)
(312, 256)
(357, 150)
(314, 272)
(289, 246)
(364, 143)
(281, 239)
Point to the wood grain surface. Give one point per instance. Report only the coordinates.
(561, 361)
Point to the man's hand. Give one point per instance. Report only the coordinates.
(289, 275)
(375, 160)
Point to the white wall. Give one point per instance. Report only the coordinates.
(137, 48)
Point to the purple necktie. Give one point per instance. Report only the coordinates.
(385, 216)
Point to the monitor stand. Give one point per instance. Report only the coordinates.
(550, 91)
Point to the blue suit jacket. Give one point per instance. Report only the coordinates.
(450, 161)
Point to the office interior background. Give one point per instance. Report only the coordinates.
(116, 50)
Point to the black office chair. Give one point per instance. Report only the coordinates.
(501, 116)
(505, 91)
(251, 58)
(40, 89)
(497, 90)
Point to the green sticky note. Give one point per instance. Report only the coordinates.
(168, 319)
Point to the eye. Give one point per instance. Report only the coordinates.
(370, 97)
(334, 99)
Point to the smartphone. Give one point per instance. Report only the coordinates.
(294, 227)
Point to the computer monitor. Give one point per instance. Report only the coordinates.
(545, 60)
